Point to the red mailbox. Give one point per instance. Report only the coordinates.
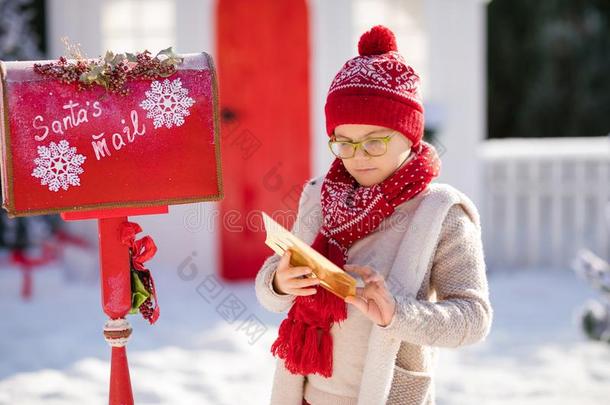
(66, 150)
(94, 153)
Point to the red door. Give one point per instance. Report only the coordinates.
(263, 71)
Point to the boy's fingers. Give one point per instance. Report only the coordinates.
(378, 294)
(285, 260)
(299, 271)
(359, 302)
(362, 271)
(374, 278)
(306, 282)
(304, 291)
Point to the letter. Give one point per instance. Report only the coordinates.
(127, 132)
(68, 123)
(121, 142)
(56, 126)
(134, 121)
(99, 146)
(232, 220)
(46, 129)
(82, 116)
(273, 180)
(98, 109)
(185, 264)
(70, 106)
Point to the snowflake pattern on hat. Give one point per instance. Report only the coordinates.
(387, 72)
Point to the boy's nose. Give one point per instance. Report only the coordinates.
(360, 153)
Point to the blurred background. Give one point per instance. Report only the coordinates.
(517, 99)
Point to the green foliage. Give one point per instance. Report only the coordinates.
(548, 68)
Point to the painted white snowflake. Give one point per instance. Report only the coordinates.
(58, 165)
(167, 103)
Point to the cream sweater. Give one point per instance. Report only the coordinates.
(451, 307)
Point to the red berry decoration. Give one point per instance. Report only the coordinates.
(112, 71)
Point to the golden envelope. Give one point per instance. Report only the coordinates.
(333, 278)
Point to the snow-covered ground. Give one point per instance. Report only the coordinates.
(52, 350)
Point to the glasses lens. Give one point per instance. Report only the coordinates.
(374, 147)
(342, 150)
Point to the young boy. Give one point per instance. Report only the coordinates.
(415, 245)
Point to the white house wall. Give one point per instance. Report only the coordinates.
(331, 33)
(457, 76)
(443, 39)
(79, 20)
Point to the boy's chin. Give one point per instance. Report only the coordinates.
(367, 179)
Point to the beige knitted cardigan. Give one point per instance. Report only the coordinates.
(438, 279)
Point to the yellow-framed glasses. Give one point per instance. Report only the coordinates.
(371, 146)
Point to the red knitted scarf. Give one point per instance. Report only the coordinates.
(350, 212)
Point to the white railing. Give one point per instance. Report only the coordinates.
(543, 199)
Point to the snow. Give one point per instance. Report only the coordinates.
(535, 353)
(52, 350)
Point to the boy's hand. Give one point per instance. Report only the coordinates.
(292, 280)
(374, 299)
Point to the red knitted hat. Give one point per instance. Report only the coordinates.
(377, 88)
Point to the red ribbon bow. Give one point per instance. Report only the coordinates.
(141, 250)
